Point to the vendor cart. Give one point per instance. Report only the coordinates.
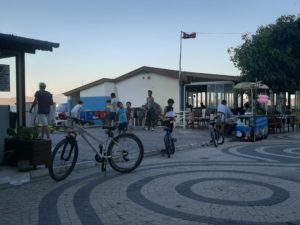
(251, 126)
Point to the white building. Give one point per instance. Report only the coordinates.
(164, 83)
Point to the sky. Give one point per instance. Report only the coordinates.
(106, 39)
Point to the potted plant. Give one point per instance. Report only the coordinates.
(24, 145)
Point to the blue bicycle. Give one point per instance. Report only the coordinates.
(169, 140)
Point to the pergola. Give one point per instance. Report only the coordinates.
(15, 46)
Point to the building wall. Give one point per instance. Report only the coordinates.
(135, 89)
(94, 103)
(94, 98)
(100, 90)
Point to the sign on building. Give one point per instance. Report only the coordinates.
(4, 78)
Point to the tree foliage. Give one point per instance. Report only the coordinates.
(271, 55)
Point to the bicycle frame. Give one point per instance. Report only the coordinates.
(80, 130)
(169, 133)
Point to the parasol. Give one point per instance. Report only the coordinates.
(250, 85)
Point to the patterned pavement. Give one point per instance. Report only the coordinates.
(238, 183)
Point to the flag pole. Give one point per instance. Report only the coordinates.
(179, 75)
(179, 82)
(180, 56)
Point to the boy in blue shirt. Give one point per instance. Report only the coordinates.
(122, 117)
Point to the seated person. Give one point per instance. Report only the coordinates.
(227, 112)
(229, 119)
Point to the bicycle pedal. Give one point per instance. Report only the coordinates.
(163, 151)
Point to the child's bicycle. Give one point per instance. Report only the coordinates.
(217, 137)
(124, 152)
(169, 141)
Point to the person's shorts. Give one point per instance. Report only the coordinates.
(122, 126)
(112, 116)
(43, 119)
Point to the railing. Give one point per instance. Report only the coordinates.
(181, 119)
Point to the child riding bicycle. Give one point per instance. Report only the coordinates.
(169, 115)
(168, 121)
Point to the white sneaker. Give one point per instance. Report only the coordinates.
(152, 128)
(146, 128)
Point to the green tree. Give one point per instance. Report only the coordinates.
(271, 55)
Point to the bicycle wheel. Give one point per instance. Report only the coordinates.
(172, 146)
(168, 145)
(63, 159)
(220, 138)
(126, 153)
(213, 138)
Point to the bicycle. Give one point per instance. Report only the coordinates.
(169, 140)
(124, 152)
(217, 137)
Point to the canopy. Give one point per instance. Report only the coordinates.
(250, 85)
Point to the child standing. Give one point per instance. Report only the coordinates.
(121, 117)
(107, 120)
(129, 114)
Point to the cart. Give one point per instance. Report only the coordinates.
(251, 127)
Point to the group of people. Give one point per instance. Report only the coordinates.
(123, 117)
(116, 113)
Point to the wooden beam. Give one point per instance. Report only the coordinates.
(20, 87)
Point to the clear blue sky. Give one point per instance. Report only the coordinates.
(110, 38)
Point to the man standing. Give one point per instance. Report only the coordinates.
(44, 100)
(150, 111)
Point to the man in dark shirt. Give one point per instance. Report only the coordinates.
(44, 101)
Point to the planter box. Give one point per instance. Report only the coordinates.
(38, 152)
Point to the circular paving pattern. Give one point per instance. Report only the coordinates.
(212, 192)
(287, 153)
(233, 188)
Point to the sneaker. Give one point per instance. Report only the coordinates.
(146, 128)
(152, 128)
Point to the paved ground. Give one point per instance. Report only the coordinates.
(239, 183)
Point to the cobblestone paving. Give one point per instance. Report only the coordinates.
(238, 183)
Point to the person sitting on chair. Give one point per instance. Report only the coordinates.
(226, 110)
(229, 119)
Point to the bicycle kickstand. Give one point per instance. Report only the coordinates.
(103, 168)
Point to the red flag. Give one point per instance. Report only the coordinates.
(187, 36)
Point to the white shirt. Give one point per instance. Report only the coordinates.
(77, 109)
(114, 102)
(224, 109)
(170, 114)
